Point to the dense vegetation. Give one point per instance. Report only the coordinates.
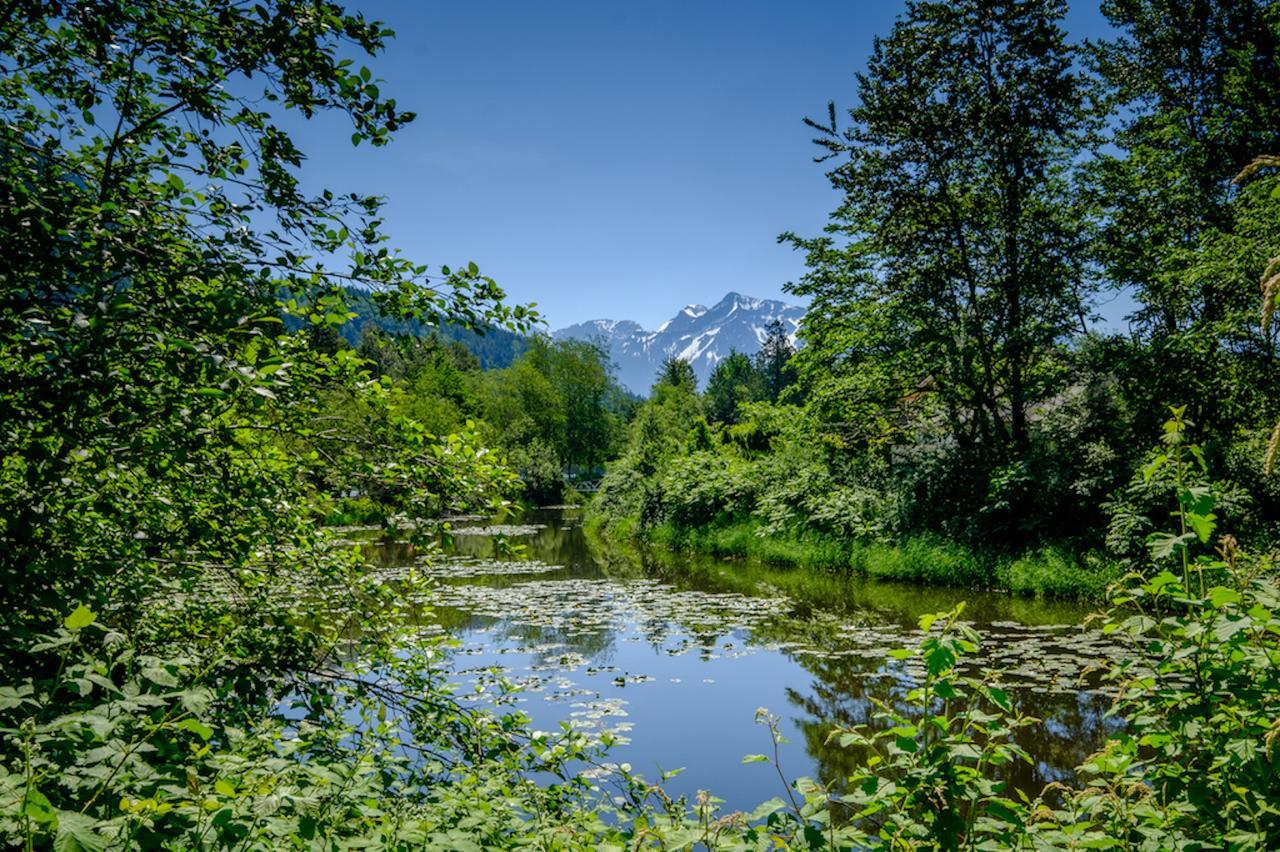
(191, 658)
(959, 413)
(554, 413)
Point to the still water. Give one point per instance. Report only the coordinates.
(675, 653)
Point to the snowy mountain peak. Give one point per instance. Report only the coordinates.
(700, 335)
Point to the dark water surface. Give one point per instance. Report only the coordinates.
(675, 653)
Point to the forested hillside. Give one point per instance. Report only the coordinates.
(493, 347)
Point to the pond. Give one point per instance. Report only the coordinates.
(675, 653)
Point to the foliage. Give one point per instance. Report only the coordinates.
(189, 659)
(733, 381)
(995, 182)
(169, 446)
(1197, 762)
(929, 777)
(1196, 91)
(766, 488)
(540, 470)
(559, 397)
(1140, 509)
(773, 363)
(1194, 766)
(121, 749)
(963, 259)
(676, 373)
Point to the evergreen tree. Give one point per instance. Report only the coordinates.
(773, 362)
(733, 380)
(676, 373)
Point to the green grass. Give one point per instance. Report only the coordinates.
(1054, 573)
(922, 560)
(1050, 572)
(743, 540)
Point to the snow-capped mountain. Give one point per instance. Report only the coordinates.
(700, 335)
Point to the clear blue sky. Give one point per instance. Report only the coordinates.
(606, 159)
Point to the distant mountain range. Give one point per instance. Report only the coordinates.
(700, 335)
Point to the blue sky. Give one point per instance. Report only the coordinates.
(611, 160)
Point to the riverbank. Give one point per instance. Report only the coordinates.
(1049, 572)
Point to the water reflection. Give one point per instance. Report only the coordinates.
(678, 652)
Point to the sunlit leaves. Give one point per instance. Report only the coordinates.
(82, 617)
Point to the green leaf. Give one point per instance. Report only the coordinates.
(160, 675)
(81, 618)
(200, 729)
(75, 833)
(36, 806)
(1165, 545)
(765, 808)
(1202, 525)
(1220, 596)
(907, 744)
(945, 690)
(755, 758)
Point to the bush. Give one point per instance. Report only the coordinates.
(540, 471)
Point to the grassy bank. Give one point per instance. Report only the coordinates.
(1045, 572)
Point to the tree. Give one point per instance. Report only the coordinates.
(1195, 88)
(676, 373)
(734, 380)
(168, 451)
(963, 264)
(773, 362)
(560, 395)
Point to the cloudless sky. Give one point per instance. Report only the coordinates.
(609, 159)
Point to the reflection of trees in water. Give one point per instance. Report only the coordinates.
(1072, 724)
(845, 689)
(598, 645)
(822, 606)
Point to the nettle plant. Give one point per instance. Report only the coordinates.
(1195, 764)
(1198, 761)
(931, 774)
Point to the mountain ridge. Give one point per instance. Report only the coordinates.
(701, 335)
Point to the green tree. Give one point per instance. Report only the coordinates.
(167, 442)
(676, 373)
(560, 396)
(733, 381)
(961, 266)
(1195, 91)
(773, 362)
